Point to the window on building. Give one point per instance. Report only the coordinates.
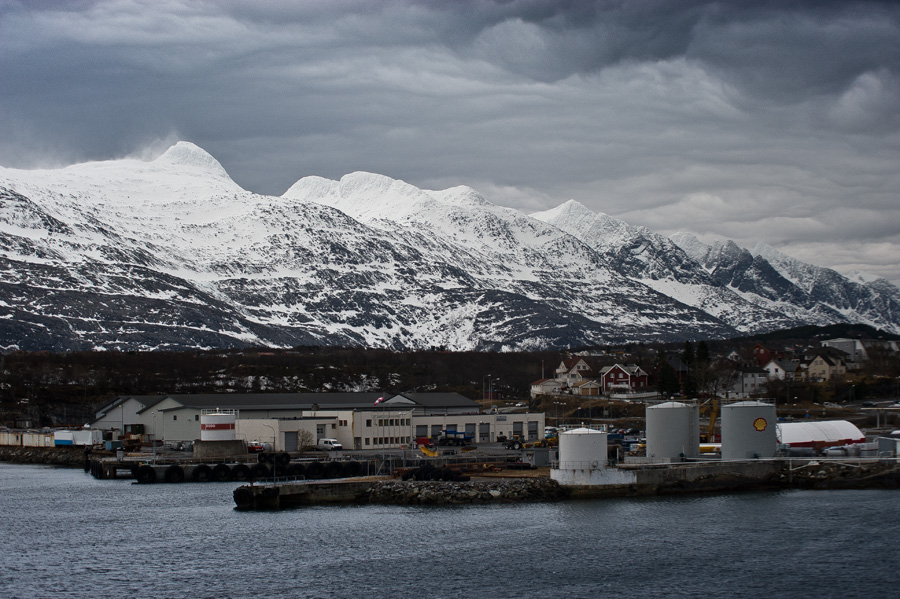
(196, 417)
(367, 440)
(174, 416)
(369, 424)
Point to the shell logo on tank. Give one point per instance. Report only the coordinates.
(760, 424)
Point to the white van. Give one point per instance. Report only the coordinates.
(329, 445)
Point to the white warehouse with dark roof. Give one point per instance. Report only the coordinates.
(290, 419)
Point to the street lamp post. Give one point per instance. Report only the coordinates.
(557, 404)
(274, 442)
(154, 437)
(487, 376)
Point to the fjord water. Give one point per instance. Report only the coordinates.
(67, 535)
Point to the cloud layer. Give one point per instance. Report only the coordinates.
(766, 121)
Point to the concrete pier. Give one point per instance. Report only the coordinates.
(301, 493)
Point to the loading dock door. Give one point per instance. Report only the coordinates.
(290, 440)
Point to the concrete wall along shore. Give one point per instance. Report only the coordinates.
(397, 492)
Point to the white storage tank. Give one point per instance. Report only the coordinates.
(673, 431)
(748, 430)
(582, 449)
(217, 425)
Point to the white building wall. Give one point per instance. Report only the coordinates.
(125, 413)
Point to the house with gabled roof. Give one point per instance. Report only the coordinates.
(749, 382)
(825, 366)
(575, 370)
(545, 387)
(588, 388)
(619, 377)
(783, 369)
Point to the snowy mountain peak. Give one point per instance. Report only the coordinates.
(184, 153)
(568, 215)
(462, 196)
(691, 246)
(362, 195)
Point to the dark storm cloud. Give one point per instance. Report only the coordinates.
(771, 121)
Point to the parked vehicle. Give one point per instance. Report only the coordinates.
(329, 445)
(255, 447)
(452, 437)
(518, 442)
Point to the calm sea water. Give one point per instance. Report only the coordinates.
(67, 535)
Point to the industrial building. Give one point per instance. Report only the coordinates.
(291, 420)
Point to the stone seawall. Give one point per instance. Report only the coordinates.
(73, 457)
(475, 491)
(397, 492)
(841, 474)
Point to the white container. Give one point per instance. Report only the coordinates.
(582, 449)
(217, 426)
(32, 439)
(86, 436)
(673, 431)
(748, 430)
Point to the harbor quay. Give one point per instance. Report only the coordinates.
(539, 485)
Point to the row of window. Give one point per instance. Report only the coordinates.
(382, 422)
(387, 441)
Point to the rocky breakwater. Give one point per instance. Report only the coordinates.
(73, 457)
(513, 490)
(842, 474)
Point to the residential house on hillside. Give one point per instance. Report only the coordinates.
(783, 369)
(545, 387)
(750, 381)
(581, 376)
(763, 355)
(824, 367)
(618, 377)
(575, 370)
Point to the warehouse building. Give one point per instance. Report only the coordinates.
(292, 420)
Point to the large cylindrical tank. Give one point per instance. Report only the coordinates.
(582, 448)
(748, 430)
(673, 431)
(217, 426)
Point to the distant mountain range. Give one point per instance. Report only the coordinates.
(172, 254)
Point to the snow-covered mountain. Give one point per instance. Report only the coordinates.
(171, 253)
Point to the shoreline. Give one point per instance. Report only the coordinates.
(526, 486)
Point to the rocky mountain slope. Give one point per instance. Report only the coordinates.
(173, 254)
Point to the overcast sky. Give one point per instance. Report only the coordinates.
(754, 121)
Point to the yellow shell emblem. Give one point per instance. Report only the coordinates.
(760, 424)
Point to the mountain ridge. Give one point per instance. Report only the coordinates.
(172, 254)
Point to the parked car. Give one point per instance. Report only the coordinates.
(255, 447)
(329, 445)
